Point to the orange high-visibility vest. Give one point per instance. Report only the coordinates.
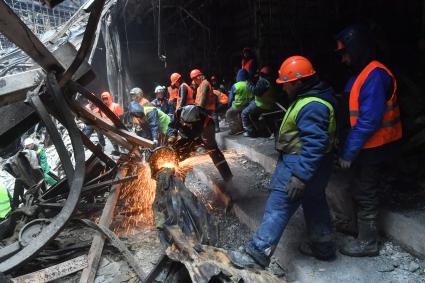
(222, 97)
(173, 92)
(211, 99)
(189, 99)
(391, 129)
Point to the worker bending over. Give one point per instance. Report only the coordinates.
(150, 122)
(30, 144)
(374, 132)
(303, 169)
(194, 122)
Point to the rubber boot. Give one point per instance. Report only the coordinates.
(366, 243)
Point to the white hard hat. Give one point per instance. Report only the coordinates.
(28, 141)
(159, 88)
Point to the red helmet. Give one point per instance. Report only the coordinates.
(195, 73)
(266, 70)
(295, 68)
(174, 78)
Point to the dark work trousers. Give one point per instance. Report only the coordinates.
(88, 131)
(365, 188)
(208, 139)
(250, 116)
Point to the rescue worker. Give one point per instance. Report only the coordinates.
(264, 92)
(192, 122)
(186, 93)
(29, 143)
(151, 122)
(205, 97)
(173, 96)
(116, 109)
(161, 100)
(249, 62)
(221, 107)
(239, 98)
(138, 95)
(5, 202)
(374, 132)
(88, 129)
(304, 166)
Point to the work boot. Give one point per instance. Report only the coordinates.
(321, 251)
(242, 260)
(366, 243)
(259, 257)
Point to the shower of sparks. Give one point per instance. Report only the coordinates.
(137, 196)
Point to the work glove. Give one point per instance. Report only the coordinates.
(155, 143)
(344, 164)
(295, 188)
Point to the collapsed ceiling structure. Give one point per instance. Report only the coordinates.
(103, 38)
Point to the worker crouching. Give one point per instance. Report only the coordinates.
(150, 122)
(304, 166)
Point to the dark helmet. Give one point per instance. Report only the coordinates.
(136, 109)
(357, 41)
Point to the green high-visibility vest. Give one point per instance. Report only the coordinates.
(164, 119)
(242, 95)
(5, 206)
(289, 140)
(267, 100)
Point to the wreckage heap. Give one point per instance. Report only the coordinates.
(48, 93)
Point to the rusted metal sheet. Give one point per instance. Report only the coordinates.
(54, 272)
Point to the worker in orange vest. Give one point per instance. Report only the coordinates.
(249, 62)
(186, 94)
(374, 131)
(222, 103)
(116, 109)
(173, 96)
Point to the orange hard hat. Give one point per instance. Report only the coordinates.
(266, 70)
(294, 68)
(195, 73)
(174, 78)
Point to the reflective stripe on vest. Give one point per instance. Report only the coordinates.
(189, 99)
(5, 207)
(242, 95)
(164, 119)
(289, 137)
(391, 129)
(267, 100)
(211, 99)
